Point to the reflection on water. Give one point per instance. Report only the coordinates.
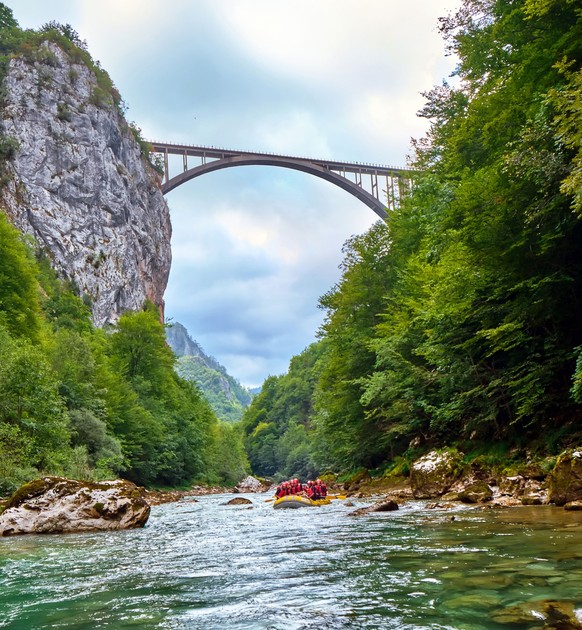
(206, 565)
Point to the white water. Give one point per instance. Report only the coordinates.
(210, 566)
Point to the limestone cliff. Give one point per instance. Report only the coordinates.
(78, 183)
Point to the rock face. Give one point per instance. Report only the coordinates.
(227, 397)
(79, 184)
(56, 505)
(432, 475)
(565, 480)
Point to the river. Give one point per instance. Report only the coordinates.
(202, 564)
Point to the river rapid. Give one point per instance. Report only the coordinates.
(202, 564)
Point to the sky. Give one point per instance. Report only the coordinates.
(255, 247)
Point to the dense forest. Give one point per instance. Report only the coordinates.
(91, 403)
(457, 321)
(86, 402)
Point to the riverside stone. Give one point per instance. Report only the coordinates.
(565, 480)
(381, 506)
(250, 484)
(80, 186)
(54, 505)
(478, 492)
(432, 475)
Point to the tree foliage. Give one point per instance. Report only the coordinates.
(276, 426)
(457, 322)
(76, 400)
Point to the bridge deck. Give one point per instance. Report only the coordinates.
(215, 153)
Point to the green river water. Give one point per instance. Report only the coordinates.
(206, 565)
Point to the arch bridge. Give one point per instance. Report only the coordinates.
(379, 187)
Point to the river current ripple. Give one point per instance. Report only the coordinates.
(202, 564)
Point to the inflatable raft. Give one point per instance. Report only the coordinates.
(298, 501)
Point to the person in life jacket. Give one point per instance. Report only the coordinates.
(280, 491)
(323, 488)
(309, 491)
(317, 490)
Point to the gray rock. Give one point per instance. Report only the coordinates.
(79, 185)
(53, 505)
(565, 480)
(251, 484)
(432, 475)
(382, 506)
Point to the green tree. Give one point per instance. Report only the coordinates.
(6, 17)
(19, 303)
(346, 436)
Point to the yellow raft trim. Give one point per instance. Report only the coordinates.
(297, 501)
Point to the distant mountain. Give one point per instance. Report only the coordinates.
(227, 397)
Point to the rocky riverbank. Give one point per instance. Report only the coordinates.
(442, 476)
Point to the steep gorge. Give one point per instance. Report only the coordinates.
(79, 183)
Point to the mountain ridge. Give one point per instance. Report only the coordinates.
(227, 397)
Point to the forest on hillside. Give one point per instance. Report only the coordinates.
(457, 321)
(89, 403)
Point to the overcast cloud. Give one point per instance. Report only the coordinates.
(254, 247)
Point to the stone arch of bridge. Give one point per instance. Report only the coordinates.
(293, 163)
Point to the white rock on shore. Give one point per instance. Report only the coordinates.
(56, 505)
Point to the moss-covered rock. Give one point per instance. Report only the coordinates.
(432, 475)
(478, 492)
(565, 480)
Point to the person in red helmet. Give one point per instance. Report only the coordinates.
(317, 489)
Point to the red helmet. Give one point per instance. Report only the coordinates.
(310, 482)
(318, 481)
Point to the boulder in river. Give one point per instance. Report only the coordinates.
(432, 475)
(553, 614)
(565, 480)
(478, 492)
(381, 506)
(251, 484)
(238, 501)
(54, 505)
